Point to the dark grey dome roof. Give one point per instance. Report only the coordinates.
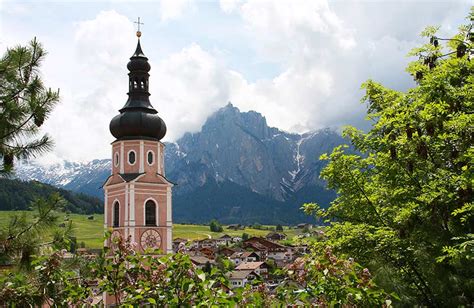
(139, 124)
(138, 119)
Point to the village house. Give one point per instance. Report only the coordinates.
(177, 242)
(201, 261)
(207, 243)
(224, 240)
(297, 266)
(236, 239)
(209, 253)
(275, 236)
(227, 251)
(260, 268)
(239, 279)
(268, 249)
(244, 256)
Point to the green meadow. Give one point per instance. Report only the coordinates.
(91, 232)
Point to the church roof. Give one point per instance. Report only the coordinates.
(128, 177)
(138, 119)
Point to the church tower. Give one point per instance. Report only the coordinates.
(137, 194)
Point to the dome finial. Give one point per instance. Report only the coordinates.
(139, 33)
(138, 119)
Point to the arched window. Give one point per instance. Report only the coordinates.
(150, 213)
(116, 214)
(150, 158)
(116, 159)
(131, 157)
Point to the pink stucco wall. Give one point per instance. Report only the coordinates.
(148, 186)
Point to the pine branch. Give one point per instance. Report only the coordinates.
(41, 219)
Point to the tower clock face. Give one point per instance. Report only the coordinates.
(114, 237)
(150, 239)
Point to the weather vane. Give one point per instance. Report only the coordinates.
(138, 30)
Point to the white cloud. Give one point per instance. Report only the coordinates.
(102, 40)
(296, 26)
(318, 52)
(95, 86)
(15, 8)
(308, 38)
(173, 9)
(326, 54)
(229, 6)
(186, 87)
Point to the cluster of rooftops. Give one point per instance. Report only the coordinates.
(251, 259)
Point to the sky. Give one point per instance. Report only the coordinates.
(298, 63)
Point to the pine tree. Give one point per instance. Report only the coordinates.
(25, 103)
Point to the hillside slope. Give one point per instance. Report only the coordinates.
(18, 195)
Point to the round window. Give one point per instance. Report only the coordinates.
(131, 157)
(150, 157)
(116, 159)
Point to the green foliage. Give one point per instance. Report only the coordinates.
(22, 237)
(279, 228)
(405, 203)
(51, 282)
(323, 279)
(170, 280)
(24, 104)
(136, 279)
(245, 236)
(215, 226)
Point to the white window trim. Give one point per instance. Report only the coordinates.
(156, 211)
(128, 157)
(153, 156)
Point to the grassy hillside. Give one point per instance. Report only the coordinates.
(91, 231)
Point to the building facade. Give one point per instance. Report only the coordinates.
(138, 197)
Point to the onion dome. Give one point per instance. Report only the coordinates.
(138, 119)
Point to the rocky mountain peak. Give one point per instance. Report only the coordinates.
(240, 147)
(230, 117)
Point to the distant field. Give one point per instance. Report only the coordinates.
(91, 231)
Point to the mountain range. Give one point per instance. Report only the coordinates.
(237, 169)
